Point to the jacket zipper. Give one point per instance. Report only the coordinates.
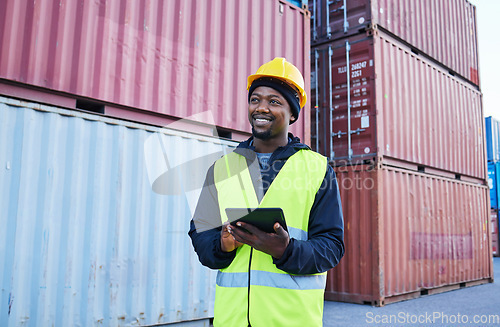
(248, 300)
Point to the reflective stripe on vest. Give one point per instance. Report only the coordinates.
(266, 278)
(274, 297)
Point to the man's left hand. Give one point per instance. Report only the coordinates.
(273, 244)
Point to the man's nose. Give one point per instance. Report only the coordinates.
(263, 107)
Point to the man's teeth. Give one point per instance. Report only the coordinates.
(262, 119)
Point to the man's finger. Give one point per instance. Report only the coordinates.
(249, 227)
(240, 235)
(280, 230)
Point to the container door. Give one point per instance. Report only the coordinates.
(333, 22)
(345, 81)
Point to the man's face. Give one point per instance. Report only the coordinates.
(269, 113)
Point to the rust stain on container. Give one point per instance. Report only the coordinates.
(173, 58)
(444, 30)
(403, 107)
(407, 233)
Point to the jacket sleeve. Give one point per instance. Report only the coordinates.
(205, 228)
(325, 245)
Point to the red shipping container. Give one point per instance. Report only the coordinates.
(408, 234)
(404, 108)
(444, 30)
(494, 233)
(168, 58)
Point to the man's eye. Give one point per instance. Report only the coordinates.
(275, 102)
(254, 100)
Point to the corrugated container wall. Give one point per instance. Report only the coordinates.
(403, 107)
(84, 239)
(492, 139)
(494, 233)
(408, 233)
(443, 30)
(494, 183)
(173, 57)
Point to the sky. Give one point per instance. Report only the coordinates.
(488, 17)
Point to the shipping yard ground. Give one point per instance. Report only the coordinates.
(460, 307)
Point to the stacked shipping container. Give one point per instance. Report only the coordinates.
(152, 61)
(442, 30)
(389, 117)
(408, 234)
(492, 139)
(85, 241)
(493, 155)
(398, 112)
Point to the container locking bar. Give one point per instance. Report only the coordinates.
(357, 131)
(348, 71)
(316, 57)
(330, 55)
(338, 134)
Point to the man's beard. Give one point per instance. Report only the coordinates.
(261, 135)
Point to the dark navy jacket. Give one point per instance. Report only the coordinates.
(325, 245)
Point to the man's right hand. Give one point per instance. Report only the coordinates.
(227, 241)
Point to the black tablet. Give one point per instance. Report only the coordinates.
(262, 218)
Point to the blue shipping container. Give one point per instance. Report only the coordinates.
(492, 138)
(494, 183)
(84, 239)
(298, 3)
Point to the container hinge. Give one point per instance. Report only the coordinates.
(357, 131)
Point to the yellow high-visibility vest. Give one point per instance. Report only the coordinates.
(252, 290)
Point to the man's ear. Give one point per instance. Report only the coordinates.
(292, 119)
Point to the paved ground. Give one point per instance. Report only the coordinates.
(455, 308)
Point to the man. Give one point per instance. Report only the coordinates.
(270, 279)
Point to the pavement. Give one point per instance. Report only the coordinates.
(470, 306)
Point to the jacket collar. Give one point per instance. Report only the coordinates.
(282, 152)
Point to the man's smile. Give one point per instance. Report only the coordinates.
(261, 120)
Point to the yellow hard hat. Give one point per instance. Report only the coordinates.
(281, 69)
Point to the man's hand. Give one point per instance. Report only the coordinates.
(227, 241)
(273, 244)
